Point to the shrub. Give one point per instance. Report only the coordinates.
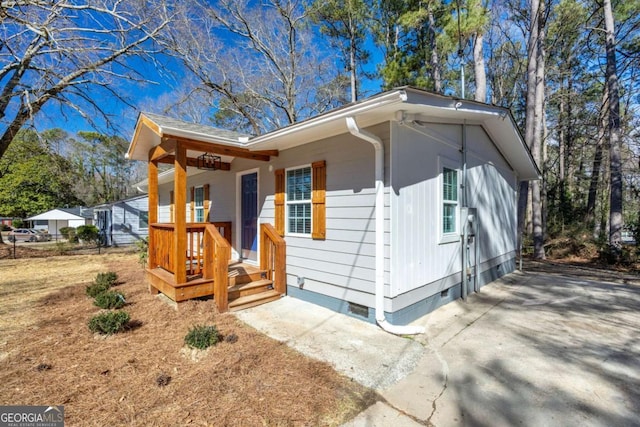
(4, 227)
(109, 278)
(102, 283)
(96, 289)
(69, 233)
(109, 323)
(110, 299)
(202, 337)
(88, 233)
(17, 223)
(142, 248)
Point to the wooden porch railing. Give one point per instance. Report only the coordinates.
(273, 257)
(207, 255)
(163, 255)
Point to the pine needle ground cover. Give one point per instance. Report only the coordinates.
(143, 375)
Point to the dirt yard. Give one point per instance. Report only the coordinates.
(145, 376)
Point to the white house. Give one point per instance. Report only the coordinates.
(56, 219)
(123, 222)
(389, 207)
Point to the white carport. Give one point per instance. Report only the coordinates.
(56, 219)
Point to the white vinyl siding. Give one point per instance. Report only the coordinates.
(298, 201)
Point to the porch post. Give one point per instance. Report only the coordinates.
(153, 211)
(180, 229)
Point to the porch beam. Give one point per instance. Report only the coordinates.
(180, 209)
(166, 148)
(210, 147)
(152, 210)
(191, 162)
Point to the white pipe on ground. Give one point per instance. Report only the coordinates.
(379, 209)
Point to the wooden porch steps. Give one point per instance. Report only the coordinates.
(254, 300)
(248, 286)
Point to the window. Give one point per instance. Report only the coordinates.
(449, 200)
(199, 204)
(298, 200)
(143, 220)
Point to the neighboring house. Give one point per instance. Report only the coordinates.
(389, 207)
(55, 219)
(123, 222)
(6, 221)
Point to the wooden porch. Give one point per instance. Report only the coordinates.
(208, 268)
(193, 259)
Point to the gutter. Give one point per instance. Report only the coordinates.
(379, 209)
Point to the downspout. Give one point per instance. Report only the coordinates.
(463, 222)
(379, 210)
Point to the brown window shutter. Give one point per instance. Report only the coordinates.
(207, 204)
(279, 201)
(172, 214)
(192, 204)
(318, 196)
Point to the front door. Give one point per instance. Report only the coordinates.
(249, 217)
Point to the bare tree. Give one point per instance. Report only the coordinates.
(258, 61)
(68, 53)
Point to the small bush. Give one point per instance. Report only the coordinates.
(102, 283)
(69, 233)
(4, 227)
(110, 299)
(17, 223)
(109, 278)
(96, 289)
(88, 233)
(202, 337)
(109, 323)
(142, 248)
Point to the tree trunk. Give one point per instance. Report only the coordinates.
(352, 62)
(597, 160)
(615, 195)
(529, 135)
(536, 149)
(435, 62)
(479, 68)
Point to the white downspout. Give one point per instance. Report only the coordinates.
(379, 210)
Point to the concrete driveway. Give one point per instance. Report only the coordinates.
(553, 346)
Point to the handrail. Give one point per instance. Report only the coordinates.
(218, 249)
(273, 255)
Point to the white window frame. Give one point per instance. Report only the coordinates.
(197, 208)
(288, 202)
(453, 236)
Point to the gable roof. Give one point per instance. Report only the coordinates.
(62, 214)
(402, 104)
(107, 206)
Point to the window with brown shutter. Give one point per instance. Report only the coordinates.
(172, 214)
(299, 201)
(279, 201)
(192, 190)
(207, 203)
(318, 197)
